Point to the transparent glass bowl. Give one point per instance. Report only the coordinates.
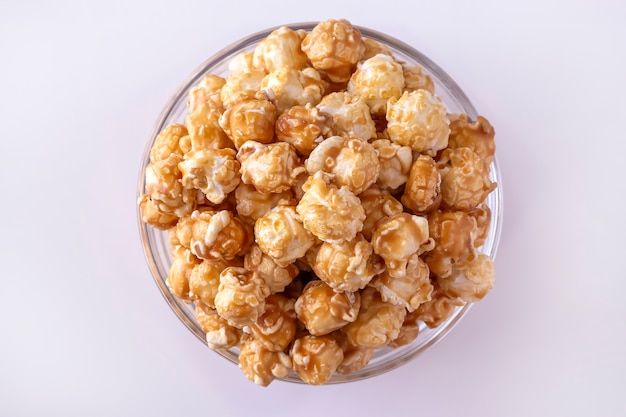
(156, 245)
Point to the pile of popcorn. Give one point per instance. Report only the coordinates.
(321, 203)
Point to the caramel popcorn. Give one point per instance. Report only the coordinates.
(259, 364)
(438, 309)
(471, 281)
(218, 235)
(373, 47)
(215, 172)
(350, 115)
(408, 332)
(208, 90)
(378, 204)
(421, 193)
(153, 216)
(164, 187)
(241, 63)
(276, 327)
(478, 136)
(395, 163)
(418, 119)
(304, 127)
(240, 297)
(204, 129)
(316, 358)
(276, 277)
(482, 215)
(416, 79)
(280, 49)
(205, 279)
(183, 263)
(354, 357)
(288, 87)
(241, 84)
(376, 80)
(351, 162)
(249, 119)
(167, 142)
(219, 334)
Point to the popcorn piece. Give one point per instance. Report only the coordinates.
(354, 357)
(421, 193)
(408, 332)
(482, 215)
(208, 90)
(272, 168)
(322, 310)
(376, 80)
(351, 162)
(241, 84)
(478, 136)
(275, 276)
(205, 280)
(215, 172)
(378, 322)
(261, 365)
(332, 214)
(153, 216)
(240, 297)
(419, 120)
(276, 327)
(249, 119)
(166, 142)
(218, 235)
(465, 179)
(472, 281)
(164, 187)
(280, 49)
(281, 235)
(304, 127)
(334, 47)
(316, 358)
(349, 114)
(253, 204)
(177, 280)
(204, 129)
(219, 334)
(242, 63)
(416, 79)
(378, 204)
(395, 163)
(288, 87)
(373, 47)
(409, 289)
(438, 309)
(398, 237)
(347, 266)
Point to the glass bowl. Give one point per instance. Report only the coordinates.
(156, 243)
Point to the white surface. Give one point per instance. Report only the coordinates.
(83, 328)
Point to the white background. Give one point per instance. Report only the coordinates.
(84, 330)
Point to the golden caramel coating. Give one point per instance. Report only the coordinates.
(421, 193)
(395, 163)
(454, 234)
(347, 266)
(240, 297)
(398, 237)
(272, 168)
(408, 332)
(349, 115)
(208, 90)
(438, 309)
(241, 84)
(205, 279)
(259, 364)
(482, 215)
(166, 142)
(378, 204)
(288, 87)
(304, 127)
(249, 119)
(478, 136)
(373, 47)
(465, 179)
(409, 289)
(281, 235)
(219, 334)
(276, 277)
(418, 119)
(332, 214)
(241, 63)
(153, 216)
(204, 129)
(323, 310)
(416, 79)
(378, 322)
(276, 327)
(351, 162)
(280, 49)
(218, 235)
(252, 204)
(215, 172)
(177, 280)
(376, 80)
(165, 189)
(334, 47)
(354, 357)
(315, 358)
(472, 281)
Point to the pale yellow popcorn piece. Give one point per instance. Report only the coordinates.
(316, 358)
(416, 79)
(349, 114)
(215, 172)
(241, 85)
(378, 322)
(354, 357)
(204, 129)
(219, 334)
(395, 163)
(288, 87)
(478, 136)
(240, 297)
(471, 281)
(281, 235)
(276, 277)
(347, 266)
(261, 365)
(241, 63)
(351, 162)
(205, 279)
(208, 90)
(422, 191)
(280, 49)
(253, 204)
(322, 310)
(272, 168)
(218, 235)
(378, 204)
(276, 327)
(418, 119)
(440, 307)
(304, 127)
(183, 262)
(482, 215)
(165, 189)
(465, 179)
(334, 47)
(373, 47)
(376, 80)
(332, 214)
(167, 142)
(408, 332)
(409, 289)
(249, 119)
